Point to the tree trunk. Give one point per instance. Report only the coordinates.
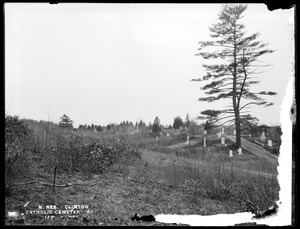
(234, 97)
(238, 130)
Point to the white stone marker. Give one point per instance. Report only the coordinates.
(230, 153)
(270, 143)
(223, 140)
(240, 151)
(188, 139)
(167, 134)
(234, 132)
(204, 142)
(263, 137)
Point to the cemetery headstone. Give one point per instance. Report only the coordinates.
(230, 153)
(188, 139)
(223, 140)
(263, 137)
(270, 143)
(240, 151)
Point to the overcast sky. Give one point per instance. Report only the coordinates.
(106, 63)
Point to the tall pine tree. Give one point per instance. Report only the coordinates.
(232, 76)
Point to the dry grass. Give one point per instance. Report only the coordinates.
(189, 180)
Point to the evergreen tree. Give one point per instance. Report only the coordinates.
(156, 125)
(232, 76)
(66, 122)
(99, 128)
(177, 122)
(187, 121)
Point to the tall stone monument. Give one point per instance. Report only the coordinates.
(263, 137)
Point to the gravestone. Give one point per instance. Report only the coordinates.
(240, 151)
(223, 140)
(188, 139)
(204, 142)
(270, 143)
(230, 153)
(234, 132)
(263, 137)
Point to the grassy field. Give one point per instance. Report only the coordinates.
(164, 179)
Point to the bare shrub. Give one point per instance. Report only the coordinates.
(18, 143)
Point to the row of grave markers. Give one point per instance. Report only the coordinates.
(222, 136)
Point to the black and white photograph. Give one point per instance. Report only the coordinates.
(149, 114)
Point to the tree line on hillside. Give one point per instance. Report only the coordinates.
(189, 125)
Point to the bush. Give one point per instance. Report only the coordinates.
(89, 154)
(18, 143)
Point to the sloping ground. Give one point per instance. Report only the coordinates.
(248, 163)
(114, 197)
(155, 158)
(255, 149)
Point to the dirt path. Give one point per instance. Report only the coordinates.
(255, 149)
